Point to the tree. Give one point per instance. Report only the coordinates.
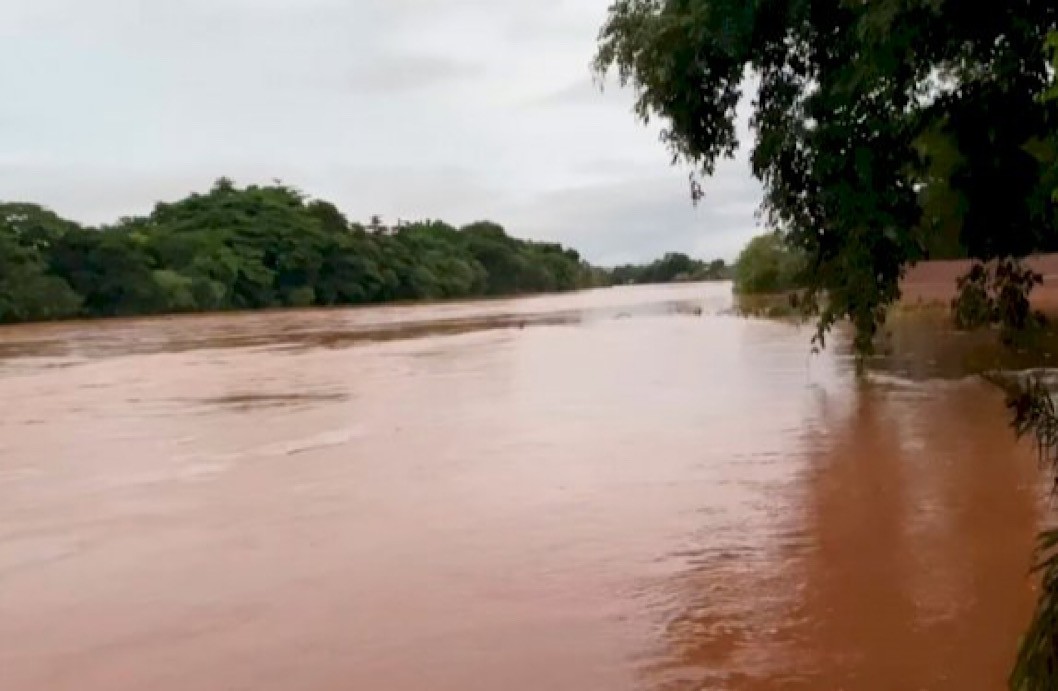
(768, 265)
(110, 270)
(27, 291)
(716, 270)
(32, 226)
(879, 125)
(350, 270)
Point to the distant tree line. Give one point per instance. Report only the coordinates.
(256, 247)
(673, 267)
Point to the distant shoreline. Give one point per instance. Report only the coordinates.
(286, 309)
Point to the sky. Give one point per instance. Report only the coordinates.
(447, 109)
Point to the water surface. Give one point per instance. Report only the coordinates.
(618, 489)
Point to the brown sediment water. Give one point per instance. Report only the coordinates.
(616, 489)
(936, 281)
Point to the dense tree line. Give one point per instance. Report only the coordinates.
(673, 267)
(254, 247)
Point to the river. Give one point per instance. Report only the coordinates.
(616, 489)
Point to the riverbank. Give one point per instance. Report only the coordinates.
(934, 282)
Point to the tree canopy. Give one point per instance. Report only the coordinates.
(768, 265)
(884, 132)
(259, 246)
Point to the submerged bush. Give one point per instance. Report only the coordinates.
(998, 294)
(768, 265)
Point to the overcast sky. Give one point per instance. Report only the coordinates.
(451, 109)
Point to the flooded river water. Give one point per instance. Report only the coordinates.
(616, 489)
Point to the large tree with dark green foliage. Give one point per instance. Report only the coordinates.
(27, 290)
(253, 247)
(886, 132)
(883, 130)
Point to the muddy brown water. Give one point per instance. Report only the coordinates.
(935, 281)
(617, 489)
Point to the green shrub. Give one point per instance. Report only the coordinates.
(768, 265)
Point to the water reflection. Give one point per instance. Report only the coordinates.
(899, 559)
(921, 512)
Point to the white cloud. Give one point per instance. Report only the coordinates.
(455, 109)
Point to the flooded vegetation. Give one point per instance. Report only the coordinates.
(628, 488)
